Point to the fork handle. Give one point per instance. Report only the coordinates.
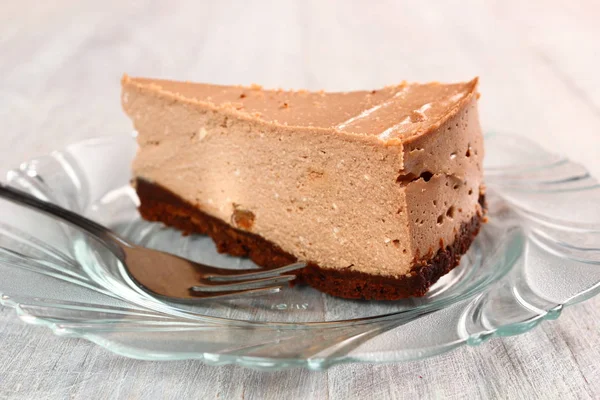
(105, 235)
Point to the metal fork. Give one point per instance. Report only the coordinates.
(163, 274)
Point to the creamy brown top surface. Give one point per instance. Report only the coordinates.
(392, 112)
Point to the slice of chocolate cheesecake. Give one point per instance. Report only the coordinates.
(380, 191)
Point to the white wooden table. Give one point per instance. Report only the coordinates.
(60, 64)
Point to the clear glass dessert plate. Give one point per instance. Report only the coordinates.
(539, 251)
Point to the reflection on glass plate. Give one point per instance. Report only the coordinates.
(539, 251)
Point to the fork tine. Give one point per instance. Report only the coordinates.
(254, 275)
(203, 296)
(252, 284)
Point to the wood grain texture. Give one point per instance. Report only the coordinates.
(60, 64)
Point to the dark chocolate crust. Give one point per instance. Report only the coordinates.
(159, 204)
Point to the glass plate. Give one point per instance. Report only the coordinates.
(539, 251)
